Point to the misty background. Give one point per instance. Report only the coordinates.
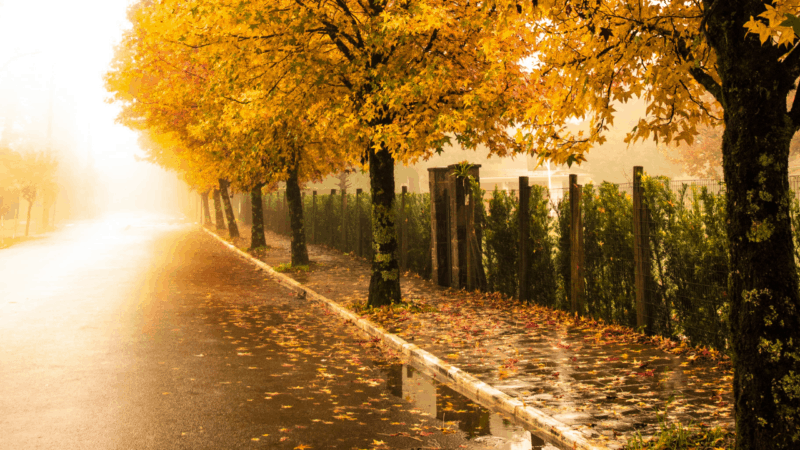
(53, 55)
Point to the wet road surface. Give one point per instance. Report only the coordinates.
(140, 333)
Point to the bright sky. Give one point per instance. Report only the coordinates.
(66, 46)
(60, 50)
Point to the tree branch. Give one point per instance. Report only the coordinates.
(707, 81)
(792, 61)
(794, 113)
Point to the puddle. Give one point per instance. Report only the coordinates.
(455, 411)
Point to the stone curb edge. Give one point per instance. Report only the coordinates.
(557, 432)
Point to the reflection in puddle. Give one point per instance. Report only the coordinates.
(454, 411)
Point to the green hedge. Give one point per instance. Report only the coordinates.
(501, 249)
(500, 243)
(323, 224)
(608, 254)
(689, 250)
(686, 289)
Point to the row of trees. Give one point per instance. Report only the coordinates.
(30, 175)
(260, 91)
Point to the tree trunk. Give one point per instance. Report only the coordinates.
(257, 239)
(763, 282)
(233, 230)
(247, 210)
(28, 220)
(299, 249)
(206, 210)
(219, 215)
(384, 286)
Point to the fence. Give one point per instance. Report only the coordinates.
(342, 221)
(651, 254)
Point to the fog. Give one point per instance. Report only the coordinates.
(53, 55)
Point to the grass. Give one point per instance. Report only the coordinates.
(676, 436)
(410, 306)
(287, 267)
(8, 242)
(679, 437)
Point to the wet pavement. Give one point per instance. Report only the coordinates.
(143, 332)
(601, 380)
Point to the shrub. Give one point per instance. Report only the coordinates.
(563, 248)
(542, 276)
(418, 214)
(608, 254)
(689, 254)
(500, 243)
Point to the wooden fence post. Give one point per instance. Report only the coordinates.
(273, 212)
(278, 212)
(576, 245)
(264, 213)
(329, 211)
(344, 221)
(440, 226)
(314, 215)
(285, 213)
(524, 218)
(276, 217)
(641, 250)
(359, 228)
(403, 230)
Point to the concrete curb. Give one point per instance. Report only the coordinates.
(549, 428)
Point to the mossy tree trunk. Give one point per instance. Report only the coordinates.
(299, 249)
(763, 283)
(206, 210)
(257, 238)
(384, 285)
(233, 229)
(219, 215)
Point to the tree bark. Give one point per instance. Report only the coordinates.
(219, 215)
(257, 239)
(384, 285)
(206, 210)
(247, 210)
(763, 282)
(233, 230)
(299, 249)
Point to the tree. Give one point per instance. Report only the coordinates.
(206, 210)
(168, 92)
(399, 79)
(9, 167)
(233, 229)
(687, 59)
(703, 158)
(35, 174)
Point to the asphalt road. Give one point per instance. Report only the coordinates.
(144, 333)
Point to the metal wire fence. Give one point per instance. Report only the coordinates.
(683, 242)
(342, 222)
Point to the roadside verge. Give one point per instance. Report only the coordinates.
(547, 427)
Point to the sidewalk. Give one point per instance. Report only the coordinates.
(604, 381)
